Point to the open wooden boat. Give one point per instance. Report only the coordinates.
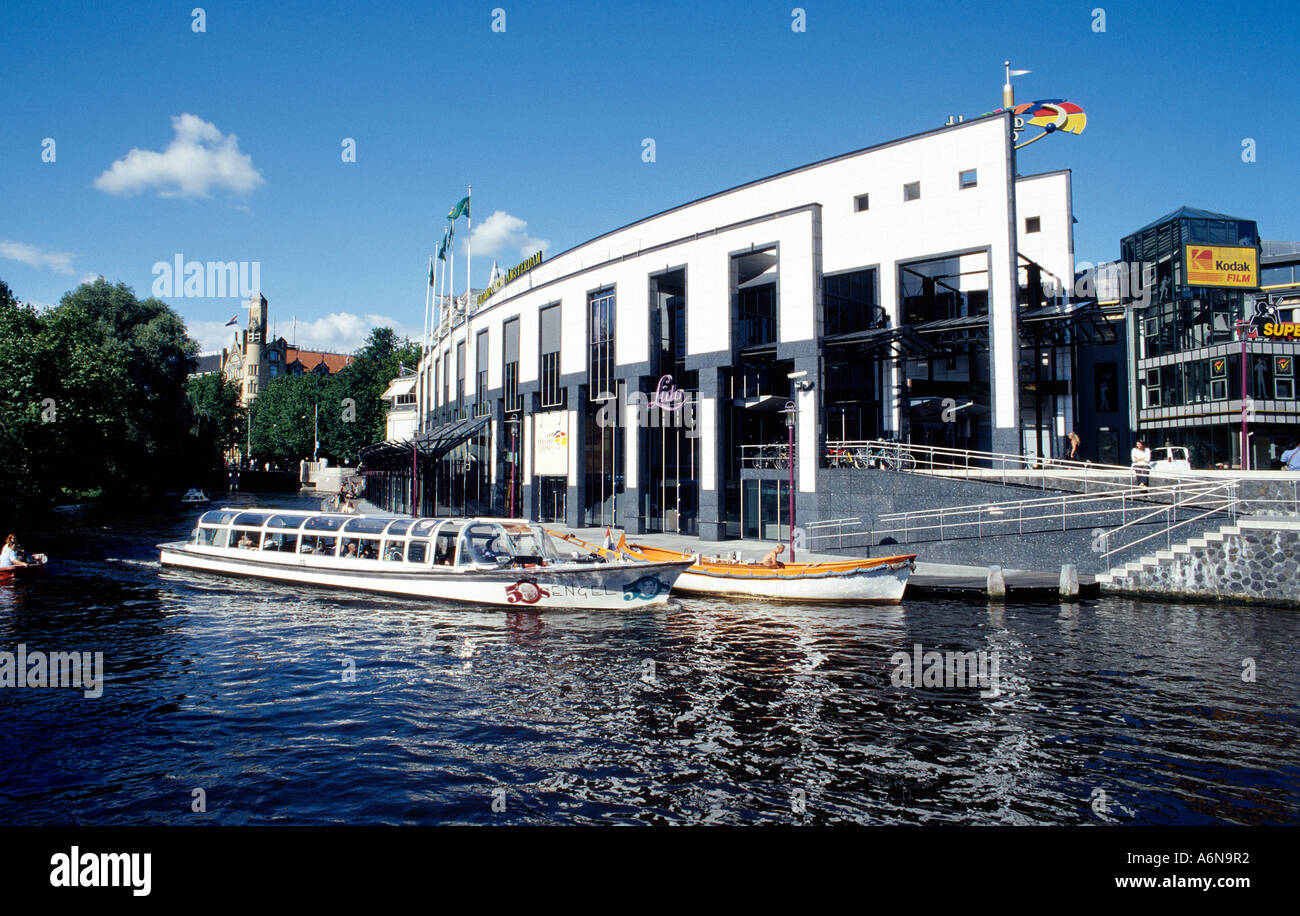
(507, 562)
(35, 568)
(878, 580)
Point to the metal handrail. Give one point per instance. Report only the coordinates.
(1228, 504)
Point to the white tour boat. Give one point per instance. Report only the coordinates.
(508, 562)
(194, 495)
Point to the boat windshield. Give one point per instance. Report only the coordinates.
(483, 543)
(531, 544)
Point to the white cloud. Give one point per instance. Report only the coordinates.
(58, 261)
(502, 233)
(338, 332)
(198, 159)
(90, 277)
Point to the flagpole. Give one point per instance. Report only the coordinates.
(421, 385)
(469, 227)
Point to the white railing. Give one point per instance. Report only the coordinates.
(1222, 499)
(1056, 513)
(1003, 467)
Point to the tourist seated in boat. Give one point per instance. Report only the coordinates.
(246, 542)
(10, 554)
(349, 549)
(369, 549)
(770, 558)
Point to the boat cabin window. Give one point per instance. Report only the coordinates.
(207, 537)
(394, 549)
(482, 543)
(422, 527)
(444, 548)
(318, 544)
(401, 526)
(246, 538)
(217, 517)
(417, 552)
(366, 526)
(325, 523)
(250, 520)
(360, 548)
(280, 540)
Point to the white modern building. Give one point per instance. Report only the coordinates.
(916, 289)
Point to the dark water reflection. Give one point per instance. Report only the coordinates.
(699, 712)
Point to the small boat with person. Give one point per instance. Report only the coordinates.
(495, 561)
(17, 565)
(879, 580)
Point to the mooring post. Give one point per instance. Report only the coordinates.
(1069, 586)
(997, 585)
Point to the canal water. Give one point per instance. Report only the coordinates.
(259, 703)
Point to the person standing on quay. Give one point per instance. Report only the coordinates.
(1291, 457)
(1142, 463)
(1074, 446)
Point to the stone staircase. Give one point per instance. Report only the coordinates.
(1117, 576)
(1257, 559)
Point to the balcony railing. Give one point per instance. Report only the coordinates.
(770, 455)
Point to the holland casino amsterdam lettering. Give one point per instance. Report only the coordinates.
(513, 273)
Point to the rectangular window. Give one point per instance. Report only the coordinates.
(481, 374)
(460, 379)
(510, 363)
(600, 363)
(967, 179)
(849, 303)
(1153, 388)
(1218, 389)
(912, 191)
(552, 395)
(1033, 224)
(436, 367)
(861, 202)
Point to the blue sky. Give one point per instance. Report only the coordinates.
(547, 118)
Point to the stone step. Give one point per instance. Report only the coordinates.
(1165, 554)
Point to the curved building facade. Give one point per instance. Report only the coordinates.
(644, 379)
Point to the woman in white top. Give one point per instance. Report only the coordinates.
(9, 554)
(1142, 463)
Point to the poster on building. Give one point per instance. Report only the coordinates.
(1216, 265)
(551, 443)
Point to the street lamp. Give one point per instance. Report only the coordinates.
(790, 411)
(513, 422)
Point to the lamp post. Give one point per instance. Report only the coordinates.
(790, 411)
(513, 422)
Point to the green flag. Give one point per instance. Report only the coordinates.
(446, 241)
(456, 211)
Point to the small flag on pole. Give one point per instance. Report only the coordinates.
(446, 241)
(459, 209)
(234, 319)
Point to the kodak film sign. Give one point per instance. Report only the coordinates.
(1215, 265)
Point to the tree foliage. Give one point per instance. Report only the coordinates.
(95, 398)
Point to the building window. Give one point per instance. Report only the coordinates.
(446, 377)
(600, 366)
(1153, 388)
(460, 380)
(754, 278)
(912, 191)
(510, 363)
(548, 319)
(965, 179)
(1033, 224)
(437, 365)
(861, 202)
(481, 374)
(849, 303)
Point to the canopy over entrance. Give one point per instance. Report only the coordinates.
(431, 445)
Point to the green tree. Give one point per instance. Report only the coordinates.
(218, 420)
(29, 402)
(352, 401)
